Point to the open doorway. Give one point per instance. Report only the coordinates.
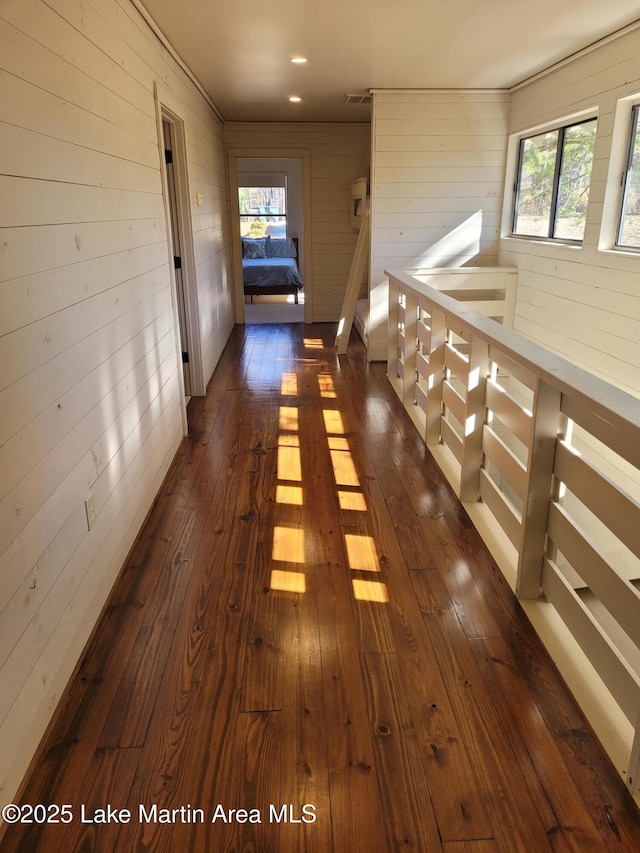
(270, 204)
(271, 245)
(270, 211)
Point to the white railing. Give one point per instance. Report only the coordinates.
(554, 454)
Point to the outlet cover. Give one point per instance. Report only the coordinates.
(90, 510)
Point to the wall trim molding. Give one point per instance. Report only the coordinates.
(585, 51)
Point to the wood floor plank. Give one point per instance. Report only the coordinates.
(107, 785)
(459, 808)
(510, 693)
(369, 590)
(487, 845)
(409, 818)
(522, 817)
(253, 786)
(264, 639)
(134, 701)
(355, 799)
(304, 769)
(188, 751)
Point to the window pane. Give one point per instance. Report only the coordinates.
(535, 184)
(263, 200)
(263, 210)
(260, 226)
(575, 178)
(630, 224)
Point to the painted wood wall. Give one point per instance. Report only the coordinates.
(339, 154)
(89, 395)
(582, 303)
(437, 181)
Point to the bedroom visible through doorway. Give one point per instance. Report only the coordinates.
(270, 208)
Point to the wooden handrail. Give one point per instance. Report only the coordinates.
(610, 403)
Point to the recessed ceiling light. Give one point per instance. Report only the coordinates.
(298, 60)
(295, 99)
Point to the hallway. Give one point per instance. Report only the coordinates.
(310, 630)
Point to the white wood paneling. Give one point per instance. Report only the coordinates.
(438, 171)
(89, 378)
(582, 303)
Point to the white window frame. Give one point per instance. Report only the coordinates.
(632, 135)
(614, 188)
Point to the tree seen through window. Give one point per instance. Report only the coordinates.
(263, 210)
(554, 175)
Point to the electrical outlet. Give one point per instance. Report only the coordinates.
(330, 291)
(90, 510)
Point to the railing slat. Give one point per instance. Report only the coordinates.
(454, 402)
(422, 365)
(546, 424)
(512, 415)
(436, 371)
(506, 462)
(512, 368)
(451, 438)
(619, 596)
(501, 507)
(618, 511)
(633, 776)
(424, 334)
(475, 417)
(606, 432)
(456, 363)
(616, 674)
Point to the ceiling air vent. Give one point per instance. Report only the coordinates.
(357, 98)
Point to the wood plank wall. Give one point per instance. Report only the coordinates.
(89, 396)
(437, 183)
(339, 154)
(582, 303)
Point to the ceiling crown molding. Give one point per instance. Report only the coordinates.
(175, 55)
(585, 51)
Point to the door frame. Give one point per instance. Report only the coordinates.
(167, 108)
(302, 154)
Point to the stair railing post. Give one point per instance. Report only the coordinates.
(633, 776)
(435, 375)
(535, 512)
(476, 416)
(394, 316)
(410, 347)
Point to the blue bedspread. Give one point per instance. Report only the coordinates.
(272, 272)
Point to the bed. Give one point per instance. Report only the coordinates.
(269, 266)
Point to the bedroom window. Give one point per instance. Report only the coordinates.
(629, 227)
(263, 211)
(552, 187)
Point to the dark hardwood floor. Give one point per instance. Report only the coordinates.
(310, 627)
